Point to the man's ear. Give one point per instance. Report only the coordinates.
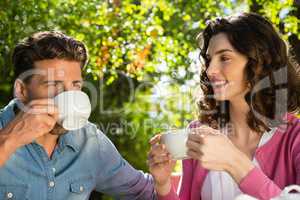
(20, 90)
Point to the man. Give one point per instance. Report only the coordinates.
(39, 159)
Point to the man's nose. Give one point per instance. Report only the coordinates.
(66, 87)
(69, 86)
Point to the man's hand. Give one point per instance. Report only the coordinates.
(38, 119)
(160, 165)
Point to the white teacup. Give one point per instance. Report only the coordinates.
(74, 109)
(175, 142)
(287, 194)
(245, 197)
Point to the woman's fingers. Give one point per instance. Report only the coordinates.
(198, 138)
(195, 146)
(204, 130)
(194, 154)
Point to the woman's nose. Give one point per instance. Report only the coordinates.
(212, 69)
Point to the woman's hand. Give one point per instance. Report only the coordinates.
(215, 151)
(160, 166)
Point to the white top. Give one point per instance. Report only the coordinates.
(218, 185)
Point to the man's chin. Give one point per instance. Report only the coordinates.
(58, 130)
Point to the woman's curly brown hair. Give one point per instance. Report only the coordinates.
(273, 78)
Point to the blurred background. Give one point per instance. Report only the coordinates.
(143, 72)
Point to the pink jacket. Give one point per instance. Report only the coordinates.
(279, 160)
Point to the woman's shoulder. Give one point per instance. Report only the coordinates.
(292, 125)
(292, 134)
(289, 132)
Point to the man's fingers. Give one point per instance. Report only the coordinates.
(44, 124)
(51, 111)
(159, 159)
(157, 149)
(43, 109)
(155, 139)
(48, 121)
(41, 102)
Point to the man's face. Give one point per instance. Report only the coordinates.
(51, 77)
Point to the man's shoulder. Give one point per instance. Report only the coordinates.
(93, 137)
(92, 132)
(88, 136)
(7, 113)
(91, 129)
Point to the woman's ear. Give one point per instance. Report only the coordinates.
(20, 90)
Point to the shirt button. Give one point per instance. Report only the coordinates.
(51, 184)
(81, 188)
(9, 195)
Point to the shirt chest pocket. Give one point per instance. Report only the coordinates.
(82, 186)
(13, 192)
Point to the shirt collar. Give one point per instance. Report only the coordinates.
(7, 113)
(69, 139)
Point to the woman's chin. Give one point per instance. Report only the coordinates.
(220, 97)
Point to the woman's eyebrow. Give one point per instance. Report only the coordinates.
(219, 52)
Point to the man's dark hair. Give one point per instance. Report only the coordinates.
(47, 45)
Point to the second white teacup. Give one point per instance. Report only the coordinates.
(175, 142)
(74, 109)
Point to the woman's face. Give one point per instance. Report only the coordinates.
(225, 69)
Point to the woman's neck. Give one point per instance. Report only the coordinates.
(238, 110)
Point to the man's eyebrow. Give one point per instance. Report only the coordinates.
(57, 81)
(49, 81)
(219, 52)
(78, 81)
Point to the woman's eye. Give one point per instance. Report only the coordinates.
(224, 58)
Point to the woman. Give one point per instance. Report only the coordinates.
(248, 139)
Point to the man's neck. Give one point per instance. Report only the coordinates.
(48, 142)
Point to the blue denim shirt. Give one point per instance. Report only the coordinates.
(84, 160)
